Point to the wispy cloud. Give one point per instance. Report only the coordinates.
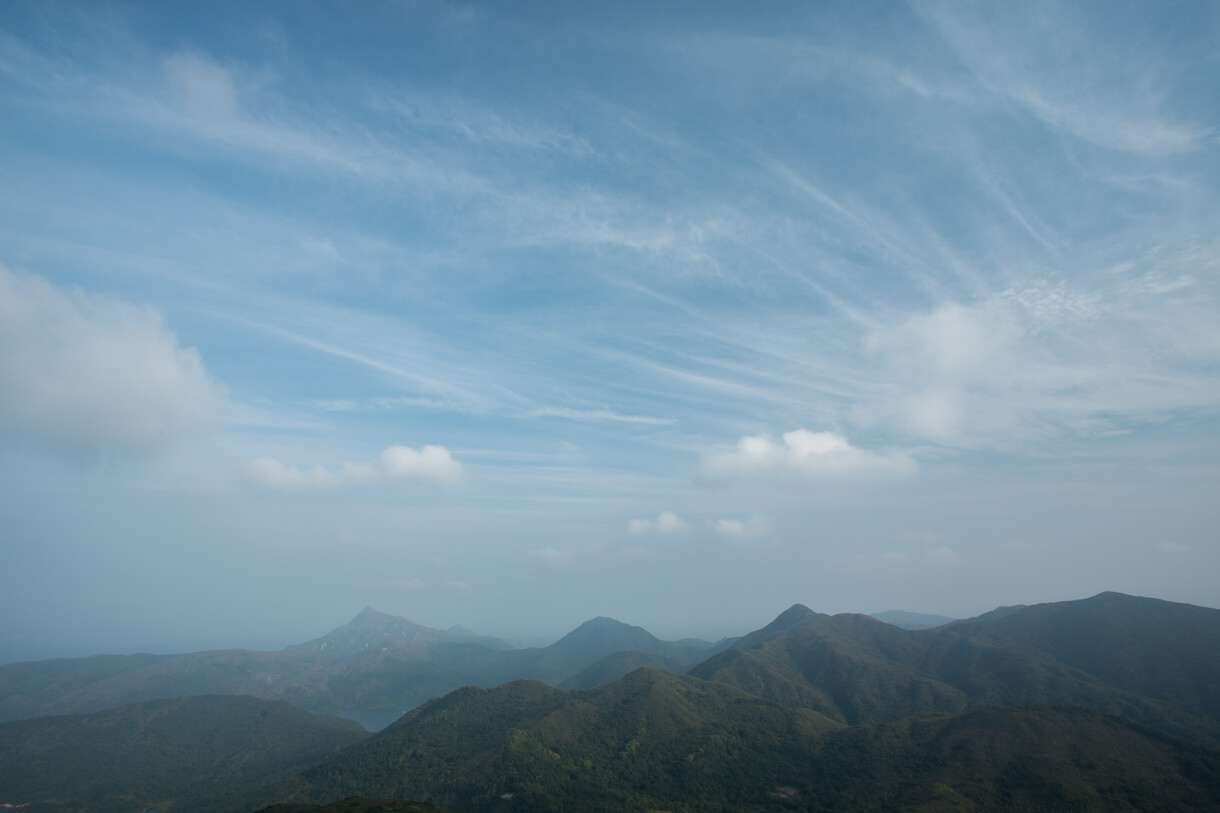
(590, 557)
(597, 415)
(1046, 64)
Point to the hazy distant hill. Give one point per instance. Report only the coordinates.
(618, 665)
(912, 621)
(656, 741)
(374, 662)
(196, 753)
(373, 631)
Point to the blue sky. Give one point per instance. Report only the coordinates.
(511, 315)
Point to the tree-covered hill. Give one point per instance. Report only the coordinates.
(189, 754)
(856, 669)
(652, 740)
(657, 741)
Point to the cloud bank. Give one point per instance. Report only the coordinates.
(397, 464)
(90, 375)
(802, 454)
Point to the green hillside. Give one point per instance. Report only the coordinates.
(652, 740)
(189, 754)
(656, 741)
(856, 669)
(1159, 649)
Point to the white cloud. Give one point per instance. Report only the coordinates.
(88, 375)
(802, 454)
(742, 531)
(1044, 359)
(430, 464)
(666, 523)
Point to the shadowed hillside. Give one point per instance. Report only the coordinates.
(652, 740)
(858, 670)
(196, 753)
(656, 741)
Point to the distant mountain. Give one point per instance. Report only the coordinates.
(594, 640)
(197, 753)
(372, 668)
(656, 741)
(619, 665)
(1158, 649)
(912, 621)
(373, 631)
(856, 669)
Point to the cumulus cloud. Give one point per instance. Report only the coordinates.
(90, 375)
(431, 464)
(939, 361)
(742, 530)
(802, 454)
(666, 523)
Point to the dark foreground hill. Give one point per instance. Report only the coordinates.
(651, 741)
(193, 753)
(357, 804)
(657, 741)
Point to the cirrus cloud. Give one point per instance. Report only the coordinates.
(430, 464)
(803, 454)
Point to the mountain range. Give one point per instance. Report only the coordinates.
(1111, 702)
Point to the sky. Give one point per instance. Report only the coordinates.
(511, 315)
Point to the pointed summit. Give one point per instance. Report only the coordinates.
(794, 616)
